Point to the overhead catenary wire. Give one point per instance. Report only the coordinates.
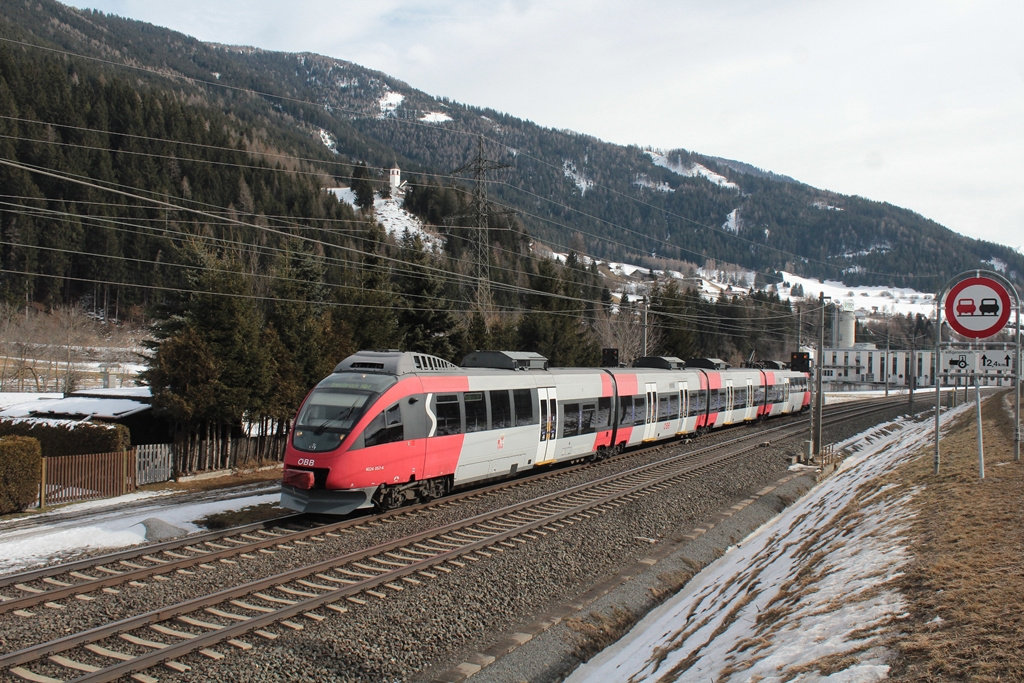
(375, 255)
(355, 113)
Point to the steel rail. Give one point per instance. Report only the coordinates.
(126, 569)
(684, 467)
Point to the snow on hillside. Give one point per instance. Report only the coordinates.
(868, 300)
(435, 117)
(394, 218)
(692, 171)
(390, 103)
(839, 611)
(732, 222)
(577, 177)
(329, 141)
(634, 281)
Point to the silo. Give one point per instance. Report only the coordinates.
(847, 326)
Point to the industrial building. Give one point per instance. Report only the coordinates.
(847, 364)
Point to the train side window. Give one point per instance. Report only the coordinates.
(523, 400)
(587, 413)
(449, 416)
(501, 410)
(626, 411)
(640, 415)
(696, 402)
(604, 413)
(476, 412)
(664, 409)
(385, 428)
(714, 400)
(570, 419)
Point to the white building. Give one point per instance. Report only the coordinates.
(865, 367)
(396, 181)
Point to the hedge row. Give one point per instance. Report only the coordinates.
(77, 439)
(20, 460)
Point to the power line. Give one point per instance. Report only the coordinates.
(404, 121)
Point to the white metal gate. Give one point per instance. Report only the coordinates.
(154, 463)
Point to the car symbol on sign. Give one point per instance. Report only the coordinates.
(989, 307)
(965, 307)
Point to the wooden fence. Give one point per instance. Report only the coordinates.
(71, 478)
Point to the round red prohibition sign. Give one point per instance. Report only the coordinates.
(977, 307)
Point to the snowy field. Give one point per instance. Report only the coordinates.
(109, 527)
(813, 583)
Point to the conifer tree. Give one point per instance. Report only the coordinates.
(362, 187)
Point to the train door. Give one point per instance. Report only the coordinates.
(752, 405)
(650, 419)
(684, 406)
(785, 395)
(728, 403)
(547, 398)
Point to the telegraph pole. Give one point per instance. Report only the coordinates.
(819, 403)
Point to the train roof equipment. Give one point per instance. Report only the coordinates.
(506, 360)
(393, 362)
(708, 363)
(662, 362)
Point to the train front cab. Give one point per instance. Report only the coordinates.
(353, 432)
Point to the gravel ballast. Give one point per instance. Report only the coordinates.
(533, 600)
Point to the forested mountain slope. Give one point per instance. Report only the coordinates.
(623, 203)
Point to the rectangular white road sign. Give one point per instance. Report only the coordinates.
(959, 362)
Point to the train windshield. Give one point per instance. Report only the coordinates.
(333, 407)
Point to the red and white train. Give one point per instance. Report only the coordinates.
(389, 427)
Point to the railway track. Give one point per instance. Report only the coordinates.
(283, 601)
(47, 585)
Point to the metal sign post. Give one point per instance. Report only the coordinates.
(977, 305)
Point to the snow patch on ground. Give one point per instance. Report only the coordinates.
(577, 177)
(109, 528)
(732, 222)
(396, 220)
(812, 583)
(642, 180)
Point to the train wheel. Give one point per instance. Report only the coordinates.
(434, 488)
(388, 498)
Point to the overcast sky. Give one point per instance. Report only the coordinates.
(915, 103)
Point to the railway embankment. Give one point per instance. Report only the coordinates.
(534, 609)
(909, 576)
(965, 584)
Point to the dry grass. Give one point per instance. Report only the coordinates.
(268, 472)
(966, 583)
(597, 631)
(248, 515)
